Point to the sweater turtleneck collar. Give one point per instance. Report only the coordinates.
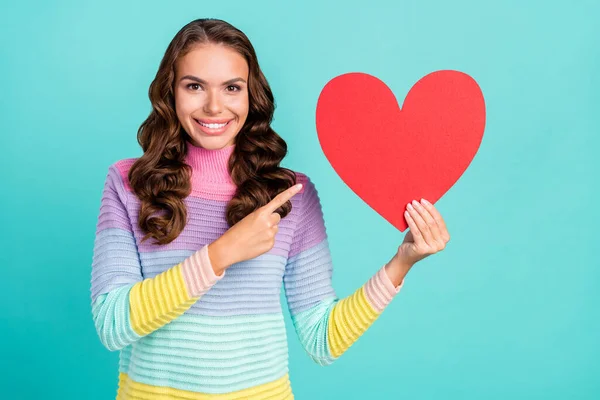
(209, 165)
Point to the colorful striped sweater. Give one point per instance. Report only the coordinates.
(184, 332)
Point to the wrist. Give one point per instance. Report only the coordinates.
(217, 257)
(397, 270)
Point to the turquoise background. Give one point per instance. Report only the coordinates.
(509, 310)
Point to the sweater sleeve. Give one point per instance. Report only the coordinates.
(326, 325)
(125, 306)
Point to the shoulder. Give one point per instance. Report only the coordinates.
(120, 170)
(308, 197)
(308, 185)
(307, 214)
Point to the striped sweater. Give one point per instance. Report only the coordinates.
(182, 331)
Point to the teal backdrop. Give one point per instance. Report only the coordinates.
(509, 310)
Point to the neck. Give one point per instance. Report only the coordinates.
(209, 165)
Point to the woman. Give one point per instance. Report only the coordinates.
(196, 237)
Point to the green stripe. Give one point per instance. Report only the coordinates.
(211, 354)
(311, 326)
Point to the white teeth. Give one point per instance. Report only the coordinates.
(213, 126)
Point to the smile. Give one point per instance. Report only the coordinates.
(213, 129)
(213, 126)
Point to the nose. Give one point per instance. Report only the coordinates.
(213, 104)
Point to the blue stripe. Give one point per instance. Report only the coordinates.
(211, 354)
(115, 261)
(248, 287)
(307, 278)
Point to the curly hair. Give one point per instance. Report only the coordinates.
(160, 177)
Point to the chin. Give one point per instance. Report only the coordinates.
(212, 143)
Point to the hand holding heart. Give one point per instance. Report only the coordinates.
(389, 154)
(427, 234)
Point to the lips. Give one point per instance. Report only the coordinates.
(213, 121)
(212, 131)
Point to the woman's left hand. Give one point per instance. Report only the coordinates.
(427, 234)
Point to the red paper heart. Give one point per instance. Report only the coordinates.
(389, 156)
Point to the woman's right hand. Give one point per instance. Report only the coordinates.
(250, 237)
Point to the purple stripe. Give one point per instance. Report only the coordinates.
(112, 210)
(206, 223)
(310, 226)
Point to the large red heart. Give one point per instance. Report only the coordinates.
(390, 155)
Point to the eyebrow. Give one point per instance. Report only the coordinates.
(196, 79)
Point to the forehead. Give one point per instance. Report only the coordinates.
(212, 62)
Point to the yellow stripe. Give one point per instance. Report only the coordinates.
(155, 302)
(349, 319)
(130, 389)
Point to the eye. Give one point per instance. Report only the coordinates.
(234, 86)
(192, 84)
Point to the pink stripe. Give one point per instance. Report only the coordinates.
(198, 273)
(202, 186)
(380, 290)
(212, 190)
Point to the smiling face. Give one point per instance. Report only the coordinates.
(211, 95)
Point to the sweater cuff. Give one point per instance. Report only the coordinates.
(380, 290)
(198, 273)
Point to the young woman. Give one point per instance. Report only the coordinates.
(196, 237)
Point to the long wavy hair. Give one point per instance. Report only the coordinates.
(160, 177)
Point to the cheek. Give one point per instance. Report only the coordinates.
(240, 105)
(184, 105)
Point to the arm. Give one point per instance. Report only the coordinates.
(126, 307)
(326, 325)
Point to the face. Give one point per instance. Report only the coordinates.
(211, 90)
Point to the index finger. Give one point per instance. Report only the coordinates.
(281, 198)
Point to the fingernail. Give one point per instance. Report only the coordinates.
(425, 201)
(416, 203)
(410, 207)
(299, 186)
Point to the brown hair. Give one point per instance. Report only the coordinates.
(161, 179)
